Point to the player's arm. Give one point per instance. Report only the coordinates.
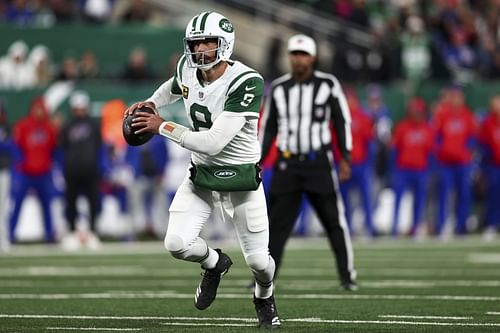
(210, 142)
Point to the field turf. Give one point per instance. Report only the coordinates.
(405, 286)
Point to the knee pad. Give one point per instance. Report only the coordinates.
(258, 262)
(175, 245)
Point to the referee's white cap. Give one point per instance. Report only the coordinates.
(302, 43)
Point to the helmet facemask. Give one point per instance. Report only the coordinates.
(197, 59)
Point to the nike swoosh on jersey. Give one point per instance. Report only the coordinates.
(247, 88)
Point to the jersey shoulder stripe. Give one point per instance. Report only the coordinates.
(237, 83)
(238, 80)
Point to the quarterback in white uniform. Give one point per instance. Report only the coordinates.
(222, 99)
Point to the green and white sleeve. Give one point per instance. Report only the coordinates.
(244, 95)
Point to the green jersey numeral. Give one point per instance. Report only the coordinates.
(200, 116)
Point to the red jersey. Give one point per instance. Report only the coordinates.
(37, 140)
(414, 143)
(490, 136)
(362, 135)
(454, 129)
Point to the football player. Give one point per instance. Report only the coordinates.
(222, 99)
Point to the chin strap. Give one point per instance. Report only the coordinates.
(173, 131)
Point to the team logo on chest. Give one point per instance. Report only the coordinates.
(185, 91)
(201, 95)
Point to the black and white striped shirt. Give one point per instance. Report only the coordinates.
(300, 114)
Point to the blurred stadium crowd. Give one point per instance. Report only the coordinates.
(455, 40)
(443, 39)
(49, 12)
(441, 149)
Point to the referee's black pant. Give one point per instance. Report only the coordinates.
(312, 176)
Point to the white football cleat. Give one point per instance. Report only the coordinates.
(93, 242)
(71, 242)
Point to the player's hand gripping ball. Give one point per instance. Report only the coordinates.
(128, 131)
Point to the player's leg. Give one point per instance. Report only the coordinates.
(365, 189)
(148, 203)
(252, 227)
(44, 188)
(90, 188)
(493, 193)
(93, 198)
(20, 185)
(71, 196)
(189, 211)
(445, 183)
(398, 186)
(463, 181)
(420, 181)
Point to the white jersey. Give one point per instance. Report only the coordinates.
(238, 92)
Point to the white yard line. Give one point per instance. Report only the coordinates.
(126, 317)
(71, 271)
(392, 322)
(149, 271)
(173, 295)
(384, 284)
(196, 321)
(493, 313)
(431, 272)
(164, 271)
(93, 329)
(425, 317)
(136, 270)
(292, 284)
(206, 324)
(484, 258)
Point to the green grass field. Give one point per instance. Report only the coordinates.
(405, 286)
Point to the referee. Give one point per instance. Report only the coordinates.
(298, 112)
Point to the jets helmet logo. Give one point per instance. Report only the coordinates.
(225, 25)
